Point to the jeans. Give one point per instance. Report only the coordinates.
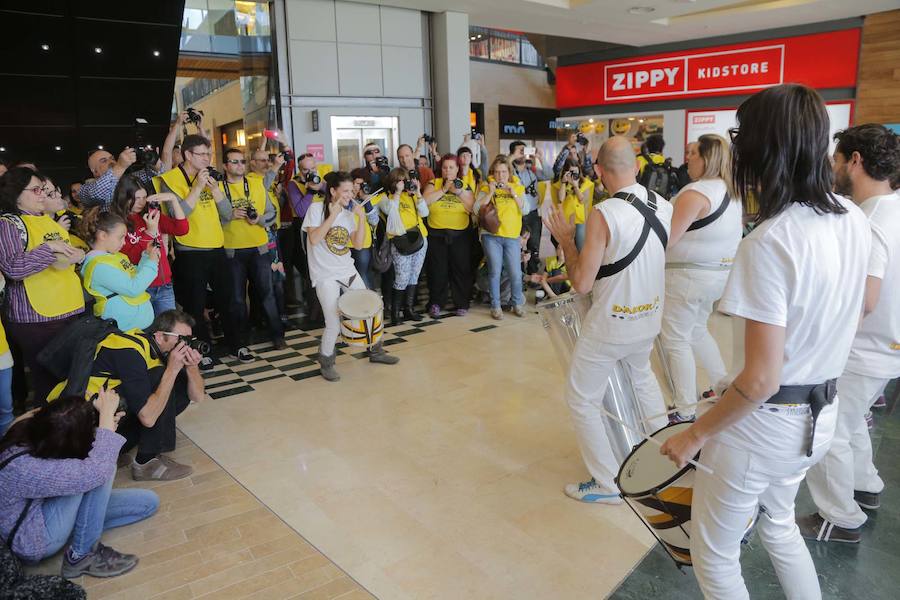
(690, 294)
(6, 407)
(84, 517)
(847, 466)
(162, 297)
(362, 259)
(249, 263)
(500, 251)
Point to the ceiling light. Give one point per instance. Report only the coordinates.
(57, 148)
(472, 38)
(45, 47)
(641, 10)
(156, 53)
(591, 120)
(640, 120)
(100, 147)
(479, 36)
(631, 118)
(98, 50)
(2, 148)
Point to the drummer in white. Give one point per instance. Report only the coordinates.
(330, 226)
(626, 312)
(865, 159)
(798, 281)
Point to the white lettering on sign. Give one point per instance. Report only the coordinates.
(635, 80)
(703, 119)
(752, 68)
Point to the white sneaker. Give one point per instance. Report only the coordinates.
(206, 364)
(244, 355)
(497, 314)
(590, 491)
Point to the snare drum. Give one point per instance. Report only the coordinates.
(661, 494)
(361, 317)
(562, 318)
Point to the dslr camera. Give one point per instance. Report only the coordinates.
(427, 138)
(458, 183)
(409, 185)
(382, 163)
(193, 115)
(195, 344)
(579, 137)
(313, 178)
(215, 175)
(252, 213)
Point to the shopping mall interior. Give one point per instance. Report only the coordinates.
(467, 469)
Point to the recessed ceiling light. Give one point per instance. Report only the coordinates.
(591, 120)
(100, 147)
(479, 36)
(472, 38)
(45, 47)
(641, 10)
(631, 118)
(57, 148)
(98, 50)
(156, 53)
(2, 148)
(640, 120)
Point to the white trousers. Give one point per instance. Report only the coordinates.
(760, 460)
(848, 464)
(690, 294)
(592, 364)
(328, 291)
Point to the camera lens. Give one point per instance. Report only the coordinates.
(252, 213)
(200, 346)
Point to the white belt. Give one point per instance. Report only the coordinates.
(701, 266)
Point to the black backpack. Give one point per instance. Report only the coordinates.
(660, 178)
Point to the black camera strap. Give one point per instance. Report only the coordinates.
(187, 179)
(651, 221)
(712, 216)
(227, 187)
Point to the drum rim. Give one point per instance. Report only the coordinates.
(564, 299)
(660, 486)
(358, 318)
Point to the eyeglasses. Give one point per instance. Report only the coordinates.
(38, 190)
(236, 161)
(732, 134)
(207, 154)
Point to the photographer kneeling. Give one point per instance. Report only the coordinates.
(156, 373)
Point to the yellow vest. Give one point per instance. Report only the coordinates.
(205, 228)
(238, 232)
(4, 344)
(448, 212)
(572, 204)
(117, 261)
(129, 340)
(367, 243)
(507, 210)
(52, 292)
(410, 215)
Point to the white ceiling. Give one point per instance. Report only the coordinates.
(610, 20)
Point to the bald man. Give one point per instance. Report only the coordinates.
(627, 309)
(106, 171)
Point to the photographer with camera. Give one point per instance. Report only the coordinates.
(106, 173)
(529, 169)
(247, 248)
(201, 252)
(367, 197)
(118, 286)
(578, 149)
(405, 209)
(573, 191)
(146, 226)
(376, 164)
(407, 160)
(470, 176)
(156, 373)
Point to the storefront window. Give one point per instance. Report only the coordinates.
(503, 46)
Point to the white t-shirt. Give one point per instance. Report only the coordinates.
(805, 272)
(876, 348)
(627, 307)
(330, 259)
(715, 244)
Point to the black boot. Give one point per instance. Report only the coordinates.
(409, 311)
(396, 305)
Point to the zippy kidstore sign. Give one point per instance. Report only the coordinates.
(717, 71)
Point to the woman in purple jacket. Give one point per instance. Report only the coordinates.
(56, 474)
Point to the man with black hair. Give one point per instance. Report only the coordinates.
(201, 253)
(651, 151)
(530, 170)
(407, 159)
(845, 481)
(247, 248)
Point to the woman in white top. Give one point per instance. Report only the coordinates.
(330, 226)
(797, 281)
(706, 230)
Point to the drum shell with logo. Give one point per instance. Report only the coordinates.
(361, 313)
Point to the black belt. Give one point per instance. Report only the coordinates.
(818, 396)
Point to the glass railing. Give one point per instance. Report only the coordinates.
(223, 27)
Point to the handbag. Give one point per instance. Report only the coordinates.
(410, 242)
(381, 249)
(488, 217)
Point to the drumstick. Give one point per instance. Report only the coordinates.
(698, 465)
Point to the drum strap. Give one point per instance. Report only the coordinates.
(818, 396)
(712, 216)
(651, 221)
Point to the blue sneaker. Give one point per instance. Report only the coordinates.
(677, 417)
(590, 491)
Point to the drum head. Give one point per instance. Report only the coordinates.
(360, 304)
(646, 470)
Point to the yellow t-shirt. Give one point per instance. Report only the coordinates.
(238, 233)
(410, 215)
(448, 212)
(507, 209)
(573, 204)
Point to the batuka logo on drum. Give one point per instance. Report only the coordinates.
(338, 241)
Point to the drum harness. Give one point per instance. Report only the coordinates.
(651, 221)
(817, 396)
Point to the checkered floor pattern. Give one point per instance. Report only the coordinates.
(230, 377)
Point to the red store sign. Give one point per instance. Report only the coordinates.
(823, 60)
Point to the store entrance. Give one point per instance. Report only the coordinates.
(350, 135)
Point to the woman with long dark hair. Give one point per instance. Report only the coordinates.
(330, 226)
(56, 474)
(797, 281)
(147, 224)
(43, 293)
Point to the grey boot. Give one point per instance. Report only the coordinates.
(377, 354)
(327, 367)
